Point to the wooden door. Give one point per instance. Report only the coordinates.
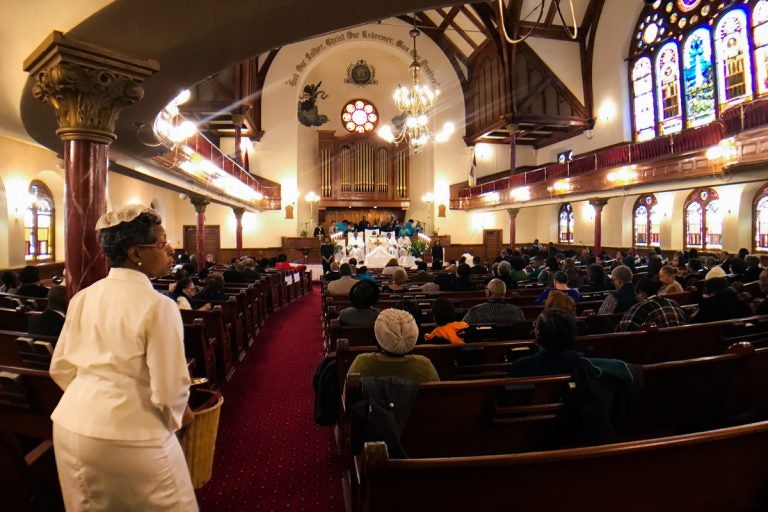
(212, 241)
(492, 243)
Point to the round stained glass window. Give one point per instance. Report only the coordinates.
(687, 5)
(359, 116)
(650, 33)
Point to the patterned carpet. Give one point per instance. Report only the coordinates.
(270, 455)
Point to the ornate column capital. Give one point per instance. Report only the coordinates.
(598, 203)
(199, 202)
(86, 85)
(238, 211)
(513, 213)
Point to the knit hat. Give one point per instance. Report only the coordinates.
(716, 273)
(396, 331)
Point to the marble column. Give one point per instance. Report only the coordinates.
(598, 204)
(87, 87)
(239, 230)
(512, 227)
(200, 203)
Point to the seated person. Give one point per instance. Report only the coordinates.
(496, 310)
(234, 274)
(396, 333)
(504, 272)
(390, 267)
(50, 321)
(720, 301)
(30, 283)
(213, 290)
(752, 273)
(517, 271)
(362, 273)
(333, 274)
(448, 329)
(559, 300)
(422, 276)
(651, 309)
(183, 291)
(762, 308)
(597, 281)
(342, 285)
(478, 267)
(555, 332)
(460, 283)
(560, 283)
(363, 296)
(624, 296)
(669, 285)
(249, 270)
(399, 277)
(10, 282)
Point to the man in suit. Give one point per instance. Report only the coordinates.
(50, 321)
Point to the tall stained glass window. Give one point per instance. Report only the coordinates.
(566, 224)
(761, 220)
(698, 78)
(733, 61)
(646, 221)
(703, 220)
(760, 36)
(38, 223)
(668, 87)
(642, 91)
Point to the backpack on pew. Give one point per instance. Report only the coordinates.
(325, 382)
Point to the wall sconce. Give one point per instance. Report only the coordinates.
(589, 212)
(520, 194)
(483, 151)
(607, 111)
(560, 187)
(725, 149)
(623, 175)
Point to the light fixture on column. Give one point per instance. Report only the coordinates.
(311, 198)
(414, 104)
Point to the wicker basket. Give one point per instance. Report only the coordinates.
(199, 442)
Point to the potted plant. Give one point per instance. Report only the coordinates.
(419, 247)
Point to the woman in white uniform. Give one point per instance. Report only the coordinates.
(120, 361)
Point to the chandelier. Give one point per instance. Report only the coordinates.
(414, 104)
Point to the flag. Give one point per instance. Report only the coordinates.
(472, 181)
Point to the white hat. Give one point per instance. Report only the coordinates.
(716, 273)
(396, 331)
(124, 214)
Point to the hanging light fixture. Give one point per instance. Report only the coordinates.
(414, 104)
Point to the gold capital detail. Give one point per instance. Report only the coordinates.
(87, 101)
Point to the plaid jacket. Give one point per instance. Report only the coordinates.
(658, 310)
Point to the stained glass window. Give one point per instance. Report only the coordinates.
(646, 221)
(703, 220)
(39, 223)
(668, 87)
(359, 116)
(642, 91)
(761, 220)
(698, 77)
(566, 224)
(760, 35)
(733, 60)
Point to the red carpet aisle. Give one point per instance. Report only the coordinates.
(270, 454)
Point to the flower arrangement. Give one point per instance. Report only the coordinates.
(419, 247)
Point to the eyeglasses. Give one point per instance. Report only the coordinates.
(158, 245)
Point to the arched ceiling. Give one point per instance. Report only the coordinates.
(196, 39)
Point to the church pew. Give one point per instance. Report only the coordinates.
(202, 348)
(232, 316)
(15, 319)
(215, 328)
(29, 480)
(26, 409)
(708, 472)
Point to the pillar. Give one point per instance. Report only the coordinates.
(512, 228)
(237, 120)
(200, 203)
(598, 204)
(87, 87)
(239, 230)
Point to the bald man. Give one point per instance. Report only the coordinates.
(496, 310)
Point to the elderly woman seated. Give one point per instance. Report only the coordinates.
(399, 276)
(555, 331)
(396, 333)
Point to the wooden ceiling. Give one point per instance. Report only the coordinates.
(232, 98)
